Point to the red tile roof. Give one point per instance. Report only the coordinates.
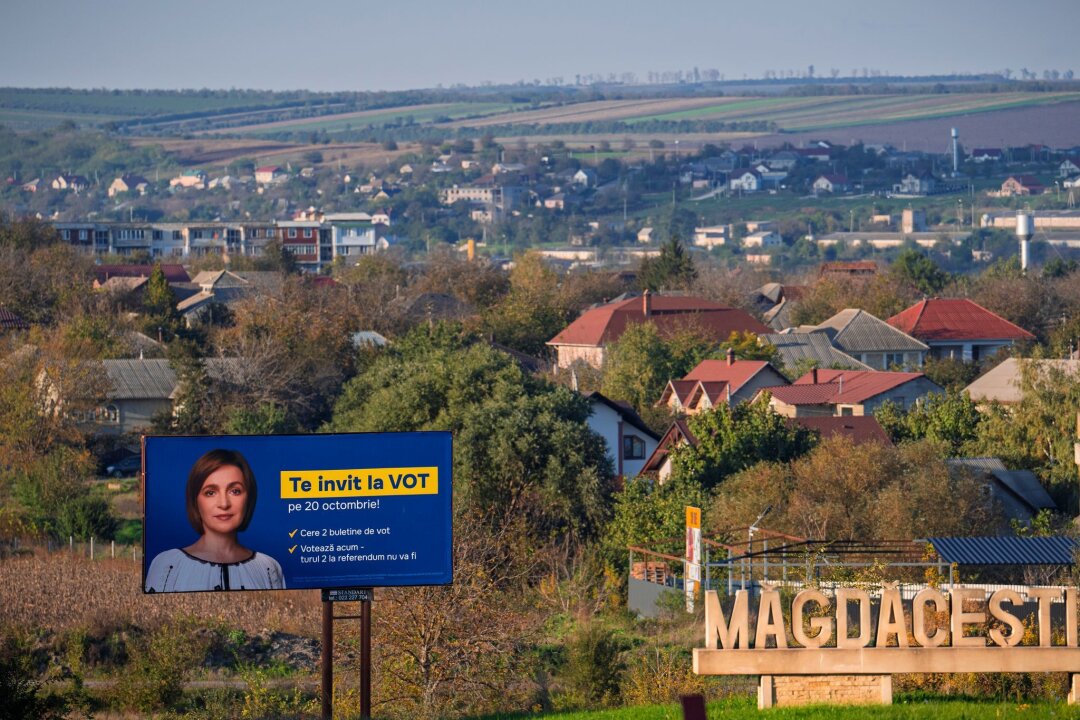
(860, 428)
(174, 272)
(834, 387)
(718, 371)
(680, 388)
(717, 392)
(678, 433)
(955, 319)
(606, 324)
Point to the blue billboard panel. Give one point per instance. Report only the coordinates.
(271, 512)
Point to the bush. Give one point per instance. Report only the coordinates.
(20, 692)
(160, 665)
(595, 665)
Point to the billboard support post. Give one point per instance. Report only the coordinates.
(327, 660)
(330, 596)
(365, 657)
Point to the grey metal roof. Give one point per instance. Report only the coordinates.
(859, 331)
(1027, 487)
(1006, 550)
(797, 347)
(1021, 483)
(988, 465)
(154, 379)
(140, 379)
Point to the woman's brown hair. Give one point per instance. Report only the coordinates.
(206, 466)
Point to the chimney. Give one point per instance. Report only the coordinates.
(730, 356)
(813, 376)
(646, 303)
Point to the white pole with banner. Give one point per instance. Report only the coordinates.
(692, 573)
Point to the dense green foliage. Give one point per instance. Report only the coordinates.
(521, 446)
(732, 439)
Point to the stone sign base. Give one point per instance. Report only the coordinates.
(783, 690)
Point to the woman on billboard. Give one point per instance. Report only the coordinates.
(220, 497)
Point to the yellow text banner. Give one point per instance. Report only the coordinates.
(361, 482)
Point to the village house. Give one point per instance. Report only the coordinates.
(985, 155)
(586, 339)
(848, 392)
(762, 239)
(1021, 185)
(747, 181)
(189, 179)
(128, 183)
(715, 382)
(912, 184)
(269, 174)
(711, 236)
(1069, 167)
(628, 439)
(958, 328)
(73, 183)
(1002, 385)
(800, 350)
(871, 341)
(831, 184)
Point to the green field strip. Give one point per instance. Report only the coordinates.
(419, 116)
(123, 104)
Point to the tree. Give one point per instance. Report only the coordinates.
(532, 312)
(921, 272)
(648, 514)
(159, 305)
(747, 347)
(731, 439)
(843, 491)
(521, 443)
(1038, 432)
(673, 268)
(637, 367)
(950, 419)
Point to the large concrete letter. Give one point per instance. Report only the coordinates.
(843, 595)
(823, 625)
(958, 618)
(727, 635)
(1016, 627)
(918, 618)
(770, 620)
(891, 617)
(1045, 596)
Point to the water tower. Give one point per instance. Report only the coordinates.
(1025, 228)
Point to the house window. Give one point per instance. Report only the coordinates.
(307, 232)
(292, 232)
(633, 447)
(82, 235)
(847, 411)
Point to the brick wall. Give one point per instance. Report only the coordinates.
(781, 690)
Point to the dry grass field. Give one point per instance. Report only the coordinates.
(61, 592)
(209, 152)
(789, 113)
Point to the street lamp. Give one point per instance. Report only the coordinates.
(750, 538)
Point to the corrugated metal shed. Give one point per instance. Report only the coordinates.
(1006, 550)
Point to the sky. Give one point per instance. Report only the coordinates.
(360, 45)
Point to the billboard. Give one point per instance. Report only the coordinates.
(267, 512)
(692, 558)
